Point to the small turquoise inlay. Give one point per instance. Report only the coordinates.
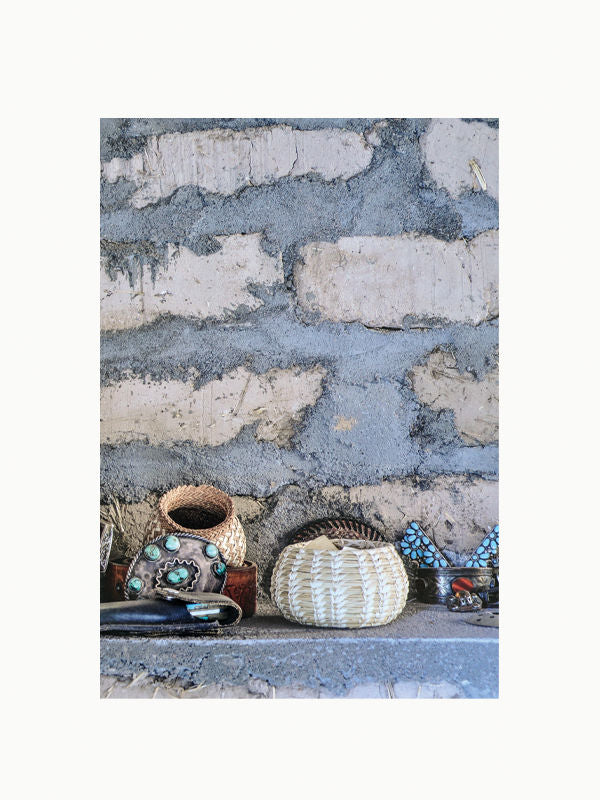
(135, 585)
(211, 550)
(487, 553)
(176, 576)
(172, 543)
(152, 552)
(420, 548)
(220, 568)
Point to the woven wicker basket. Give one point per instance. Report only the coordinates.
(361, 585)
(205, 511)
(337, 528)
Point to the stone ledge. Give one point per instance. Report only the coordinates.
(425, 645)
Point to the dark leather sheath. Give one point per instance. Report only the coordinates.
(176, 612)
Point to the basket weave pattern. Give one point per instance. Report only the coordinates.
(337, 528)
(205, 511)
(362, 585)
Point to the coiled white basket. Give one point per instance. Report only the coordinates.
(360, 585)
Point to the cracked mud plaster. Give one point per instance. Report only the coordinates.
(440, 385)
(456, 510)
(186, 284)
(449, 148)
(399, 277)
(174, 411)
(224, 161)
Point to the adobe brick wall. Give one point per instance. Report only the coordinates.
(305, 314)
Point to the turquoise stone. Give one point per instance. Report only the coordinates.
(414, 525)
(425, 540)
(135, 585)
(152, 552)
(444, 563)
(496, 529)
(220, 568)
(211, 550)
(485, 542)
(177, 575)
(172, 543)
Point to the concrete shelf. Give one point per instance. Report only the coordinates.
(426, 644)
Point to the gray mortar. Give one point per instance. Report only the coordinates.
(426, 643)
(272, 336)
(366, 368)
(479, 212)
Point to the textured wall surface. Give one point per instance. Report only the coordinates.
(305, 314)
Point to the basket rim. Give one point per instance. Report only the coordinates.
(361, 545)
(168, 503)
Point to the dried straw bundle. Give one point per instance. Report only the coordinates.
(360, 585)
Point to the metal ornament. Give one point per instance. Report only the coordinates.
(437, 580)
(421, 548)
(178, 573)
(464, 601)
(186, 562)
(435, 585)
